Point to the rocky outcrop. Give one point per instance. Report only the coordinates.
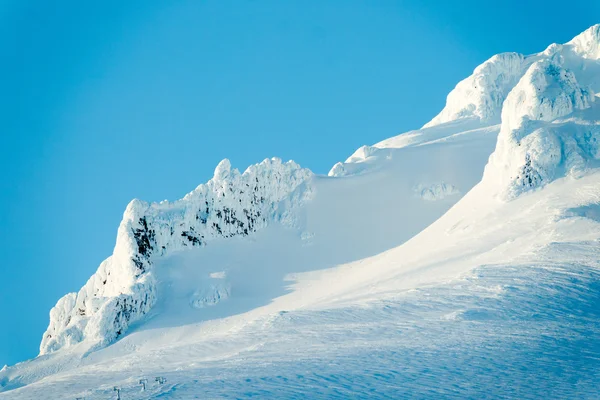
(124, 289)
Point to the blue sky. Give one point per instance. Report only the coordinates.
(106, 101)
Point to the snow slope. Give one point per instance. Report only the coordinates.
(418, 268)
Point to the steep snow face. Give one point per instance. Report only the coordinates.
(481, 94)
(124, 287)
(536, 143)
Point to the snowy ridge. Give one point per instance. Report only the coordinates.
(481, 95)
(359, 156)
(123, 288)
(587, 43)
(531, 95)
(467, 132)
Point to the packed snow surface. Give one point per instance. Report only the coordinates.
(460, 260)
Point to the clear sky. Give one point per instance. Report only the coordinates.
(105, 101)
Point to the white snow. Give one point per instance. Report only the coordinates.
(377, 281)
(587, 43)
(481, 95)
(124, 288)
(536, 144)
(435, 191)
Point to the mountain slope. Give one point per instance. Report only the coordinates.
(381, 277)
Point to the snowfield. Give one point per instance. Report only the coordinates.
(461, 260)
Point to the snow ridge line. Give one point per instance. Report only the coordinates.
(123, 289)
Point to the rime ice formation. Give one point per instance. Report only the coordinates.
(537, 143)
(481, 94)
(587, 43)
(360, 155)
(546, 92)
(538, 101)
(337, 170)
(435, 191)
(123, 289)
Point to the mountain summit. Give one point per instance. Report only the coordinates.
(427, 265)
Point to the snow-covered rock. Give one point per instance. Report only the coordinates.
(213, 293)
(546, 92)
(124, 288)
(536, 144)
(435, 191)
(362, 153)
(532, 95)
(587, 43)
(359, 156)
(337, 170)
(481, 95)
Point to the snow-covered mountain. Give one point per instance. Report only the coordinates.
(446, 261)
(124, 287)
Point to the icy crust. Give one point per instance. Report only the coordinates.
(481, 94)
(124, 289)
(537, 143)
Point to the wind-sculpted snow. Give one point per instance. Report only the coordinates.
(435, 191)
(545, 134)
(481, 94)
(587, 43)
(546, 92)
(359, 156)
(536, 143)
(124, 288)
